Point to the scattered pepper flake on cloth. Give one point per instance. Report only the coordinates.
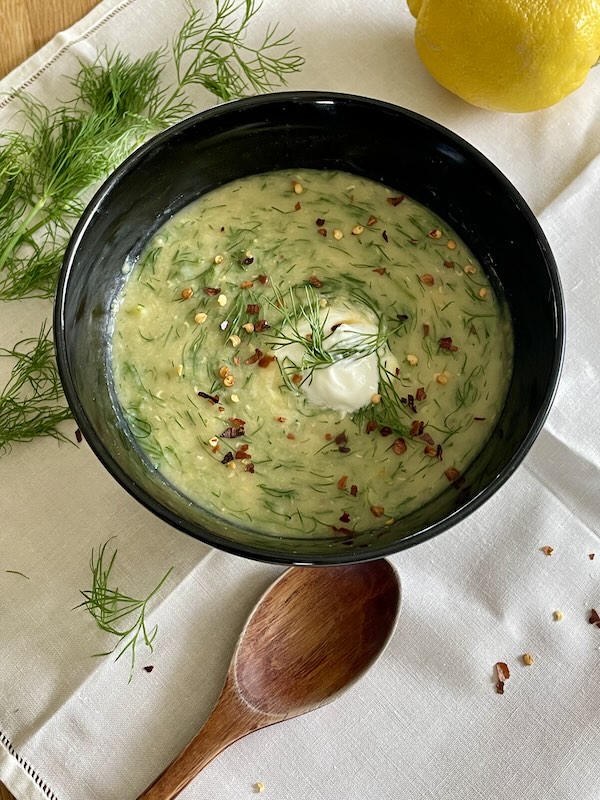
(547, 550)
(594, 618)
(502, 675)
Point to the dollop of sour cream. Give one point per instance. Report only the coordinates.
(350, 382)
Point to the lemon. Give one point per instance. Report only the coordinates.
(508, 55)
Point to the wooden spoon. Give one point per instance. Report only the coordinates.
(315, 631)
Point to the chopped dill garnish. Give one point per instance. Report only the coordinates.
(117, 613)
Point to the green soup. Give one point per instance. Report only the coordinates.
(310, 352)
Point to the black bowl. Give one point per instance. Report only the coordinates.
(377, 140)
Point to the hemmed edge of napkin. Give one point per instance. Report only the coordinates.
(19, 776)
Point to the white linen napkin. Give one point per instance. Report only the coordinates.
(426, 722)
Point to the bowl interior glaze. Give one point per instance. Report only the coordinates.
(322, 131)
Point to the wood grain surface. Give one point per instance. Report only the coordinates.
(26, 25)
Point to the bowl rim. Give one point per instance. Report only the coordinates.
(270, 555)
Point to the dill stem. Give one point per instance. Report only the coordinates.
(22, 231)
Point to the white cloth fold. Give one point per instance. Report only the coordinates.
(426, 722)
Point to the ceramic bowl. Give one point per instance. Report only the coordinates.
(302, 130)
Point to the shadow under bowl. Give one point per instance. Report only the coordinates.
(300, 130)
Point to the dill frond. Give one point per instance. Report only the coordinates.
(31, 403)
(117, 613)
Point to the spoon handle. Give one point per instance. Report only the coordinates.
(229, 720)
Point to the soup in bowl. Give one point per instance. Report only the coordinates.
(299, 327)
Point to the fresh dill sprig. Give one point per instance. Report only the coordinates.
(304, 323)
(215, 54)
(117, 613)
(31, 403)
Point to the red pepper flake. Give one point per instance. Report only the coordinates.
(213, 399)
(402, 317)
(385, 236)
(399, 446)
(410, 401)
(377, 511)
(240, 454)
(341, 439)
(385, 430)
(431, 451)
(328, 437)
(547, 550)
(371, 426)
(446, 344)
(291, 436)
(502, 675)
(425, 437)
(258, 354)
(395, 201)
(319, 222)
(416, 429)
(78, 436)
(249, 468)
(425, 329)
(322, 231)
(247, 261)
(263, 279)
(252, 308)
(427, 279)
(354, 490)
(435, 233)
(594, 618)
(149, 668)
(592, 556)
(265, 361)
(372, 220)
(297, 378)
(449, 264)
(314, 281)
(236, 422)
(345, 517)
(261, 325)
(227, 458)
(246, 285)
(479, 419)
(344, 449)
(341, 484)
(380, 270)
(421, 393)
(211, 290)
(345, 531)
(297, 207)
(233, 433)
(452, 474)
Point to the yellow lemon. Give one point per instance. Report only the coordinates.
(508, 55)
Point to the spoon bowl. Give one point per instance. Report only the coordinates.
(312, 634)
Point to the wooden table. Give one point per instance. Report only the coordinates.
(26, 25)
